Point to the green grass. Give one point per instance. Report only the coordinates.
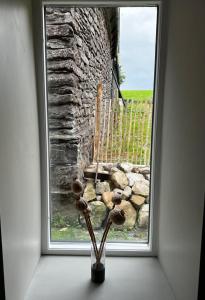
(140, 95)
(73, 233)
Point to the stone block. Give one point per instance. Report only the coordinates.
(144, 170)
(133, 178)
(65, 112)
(63, 153)
(67, 66)
(98, 213)
(56, 80)
(143, 218)
(126, 167)
(54, 31)
(130, 214)
(107, 199)
(61, 124)
(62, 176)
(56, 99)
(141, 188)
(102, 187)
(60, 44)
(127, 193)
(119, 179)
(89, 192)
(137, 200)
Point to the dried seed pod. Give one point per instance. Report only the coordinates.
(81, 204)
(117, 216)
(77, 187)
(116, 198)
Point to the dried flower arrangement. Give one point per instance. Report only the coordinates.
(116, 216)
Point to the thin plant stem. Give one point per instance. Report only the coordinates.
(105, 233)
(91, 233)
(94, 240)
(104, 239)
(92, 236)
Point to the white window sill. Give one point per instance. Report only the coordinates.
(112, 249)
(68, 277)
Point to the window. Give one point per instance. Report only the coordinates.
(95, 121)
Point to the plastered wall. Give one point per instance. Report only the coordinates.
(19, 149)
(182, 183)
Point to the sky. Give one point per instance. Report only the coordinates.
(137, 46)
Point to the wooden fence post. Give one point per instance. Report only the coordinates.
(102, 142)
(121, 112)
(97, 122)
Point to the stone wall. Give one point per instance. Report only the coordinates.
(132, 183)
(78, 56)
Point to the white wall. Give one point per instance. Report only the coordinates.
(183, 148)
(19, 148)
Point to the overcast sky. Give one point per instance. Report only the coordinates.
(137, 46)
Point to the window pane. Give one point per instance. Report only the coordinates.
(100, 77)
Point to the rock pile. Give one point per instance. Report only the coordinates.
(132, 182)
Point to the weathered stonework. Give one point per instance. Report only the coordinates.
(135, 206)
(79, 52)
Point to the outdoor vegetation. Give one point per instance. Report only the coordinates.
(128, 136)
(139, 95)
(93, 132)
(73, 233)
(62, 229)
(129, 141)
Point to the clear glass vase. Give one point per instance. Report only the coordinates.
(97, 266)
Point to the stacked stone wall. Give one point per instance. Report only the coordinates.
(78, 55)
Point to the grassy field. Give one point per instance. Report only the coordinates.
(78, 233)
(138, 94)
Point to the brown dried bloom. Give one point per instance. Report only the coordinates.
(77, 187)
(117, 216)
(116, 198)
(81, 204)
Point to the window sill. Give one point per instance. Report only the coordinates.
(112, 249)
(68, 277)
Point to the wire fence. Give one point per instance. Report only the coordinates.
(124, 132)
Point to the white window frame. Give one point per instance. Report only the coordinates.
(83, 248)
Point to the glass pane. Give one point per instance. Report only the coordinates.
(100, 77)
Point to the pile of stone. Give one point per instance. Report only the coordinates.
(132, 182)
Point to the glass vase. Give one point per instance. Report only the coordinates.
(97, 267)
